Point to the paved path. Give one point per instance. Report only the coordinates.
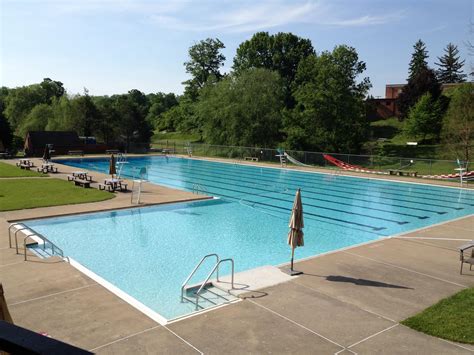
(346, 302)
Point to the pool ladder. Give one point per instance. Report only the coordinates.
(29, 233)
(199, 188)
(205, 283)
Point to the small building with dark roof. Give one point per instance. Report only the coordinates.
(61, 142)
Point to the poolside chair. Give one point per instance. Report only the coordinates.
(466, 259)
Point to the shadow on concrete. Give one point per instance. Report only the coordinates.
(364, 282)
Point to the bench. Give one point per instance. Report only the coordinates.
(83, 183)
(112, 151)
(24, 166)
(403, 172)
(76, 152)
(123, 186)
(251, 158)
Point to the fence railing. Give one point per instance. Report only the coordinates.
(373, 162)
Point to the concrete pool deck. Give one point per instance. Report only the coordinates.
(349, 301)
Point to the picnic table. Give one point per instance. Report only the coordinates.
(25, 162)
(82, 175)
(48, 168)
(113, 185)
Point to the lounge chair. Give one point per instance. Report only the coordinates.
(466, 259)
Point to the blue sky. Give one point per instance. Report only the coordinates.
(112, 46)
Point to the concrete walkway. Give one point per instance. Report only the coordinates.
(346, 302)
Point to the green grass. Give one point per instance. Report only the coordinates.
(8, 170)
(452, 318)
(18, 194)
(174, 137)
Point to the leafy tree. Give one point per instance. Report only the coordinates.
(63, 116)
(52, 89)
(20, 101)
(132, 125)
(106, 124)
(424, 118)
(36, 120)
(330, 110)
(458, 124)
(205, 62)
(423, 82)
(160, 103)
(84, 114)
(418, 60)
(243, 110)
(6, 134)
(450, 70)
(281, 52)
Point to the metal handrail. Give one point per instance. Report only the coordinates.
(45, 240)
(216, 267)
(18, 230)
(194, 271)
(199, 187)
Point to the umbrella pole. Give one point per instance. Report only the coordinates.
(292, 257)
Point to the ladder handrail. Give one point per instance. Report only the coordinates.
(196, 268)
(198, 187)
(216, 267)
(45, 240)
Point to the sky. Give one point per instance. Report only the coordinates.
(113, 46)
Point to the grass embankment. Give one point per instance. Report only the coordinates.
(16, 194)
(452, 318)
(174, 138)
(8, 171)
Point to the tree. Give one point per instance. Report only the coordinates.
(205, 62)
(450, 70)
(20, 101)
(131, 124)
(458, 124)
(52, 89)
(106, 125)
(330, 110)
(418, 60)
(243, 110)
(84, 114)
(36, 120)
(424, 118)
(63, 118)
(160, 103)
(6, 134)
(423, 82)
(281, 52)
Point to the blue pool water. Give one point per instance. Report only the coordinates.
(148, 252)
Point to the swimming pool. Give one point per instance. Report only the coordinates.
(148, 252)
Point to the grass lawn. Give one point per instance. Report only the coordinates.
(451, 318)
(18, 194)
(174, 137)
(8, 170)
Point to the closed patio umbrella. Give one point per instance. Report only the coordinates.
(112, 169)
(4, 313)
(46, 154)
(295, 236)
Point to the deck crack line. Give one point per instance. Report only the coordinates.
(15, 263)
(348, 303)
(53, 294)
(297, 324)
(182, 339)
(373, 335)
(456, 344)
(125, 338)
(403, 268)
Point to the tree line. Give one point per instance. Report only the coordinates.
(279, 92)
